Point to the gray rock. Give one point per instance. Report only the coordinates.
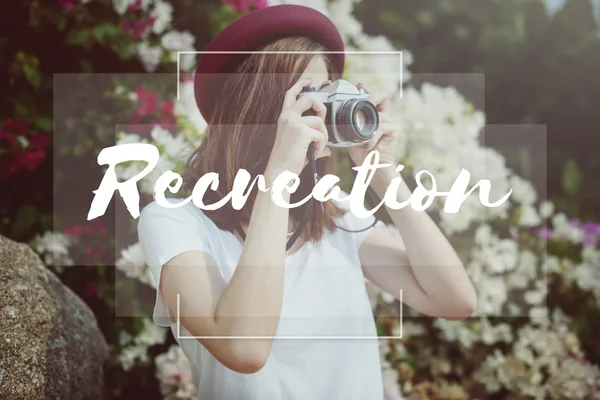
(50, 343)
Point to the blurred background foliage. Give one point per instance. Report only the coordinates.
(541, 66)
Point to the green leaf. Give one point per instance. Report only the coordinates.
(106, 31)
(24, 221)
(28, 64)
(425, 18)
(571, 177)
(58, 18)
(44, 123)
(19, 110)
(35, 17)
(222, 17)
(525, 161)
(79, 37)
(46, 221)
(32, 75)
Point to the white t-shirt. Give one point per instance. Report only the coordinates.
(324, 295)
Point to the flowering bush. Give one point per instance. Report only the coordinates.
(536, 270)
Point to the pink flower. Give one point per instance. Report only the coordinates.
(167, 108)
(90, 289)
(4, 168)
(67, 4)
(544, 233)
(167, 114)
(258, 4)
(514, 233)
(94, 252)
(27, 159)
(74, 230)
(137, 30)
(135, 6)
(96, 226)
(246, 5)
(176, 375)
(38, 141)
(18, 127)
(9, 138)
(186, 77)
(148, 102)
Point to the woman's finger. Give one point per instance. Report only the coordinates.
(378, 99)
(307, 102)
(292, 94)
(317, 123)
(325, 153)
(315, 136)
(385, 130)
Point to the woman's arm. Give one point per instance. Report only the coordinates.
(249, 305)
(423, 264)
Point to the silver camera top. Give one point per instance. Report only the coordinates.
(340, 90)
(351, 118)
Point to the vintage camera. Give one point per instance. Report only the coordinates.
(351, 119)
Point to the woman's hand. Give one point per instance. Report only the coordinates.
(296, 132)
(385, 140)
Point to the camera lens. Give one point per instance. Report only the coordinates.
(360, 120)
(357, 120)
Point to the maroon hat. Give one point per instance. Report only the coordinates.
(254, 30)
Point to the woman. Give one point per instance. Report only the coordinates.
(247, 290)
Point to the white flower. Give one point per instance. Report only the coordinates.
(133, 264)
(129, 170)
(175, 146)
(187, 61)
(391, 387)
(587, 276)
(129, 356)
(186, 106)
(121, 6)
(562, 229)
(165, 163)
(151, 335)
(528, 216)
(491, 334)
(535, 296)
(147, 3)
(546, 209)
(127, 138)
(53, 248)
(175, 40)
(538, 312)
(492, 295)
(573, 380)
(149, 56)
(174, 374)
(180, 42)
(136, 349)
(523, 191)
(163, 15)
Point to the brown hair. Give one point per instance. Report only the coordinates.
(241, 134)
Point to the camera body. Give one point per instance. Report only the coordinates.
(351, 119)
